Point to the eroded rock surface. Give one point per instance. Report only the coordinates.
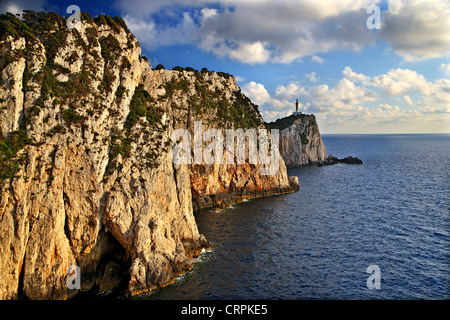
(300, 140)
(87, 172)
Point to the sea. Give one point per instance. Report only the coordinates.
(376, 231)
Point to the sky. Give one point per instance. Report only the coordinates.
(355, 76)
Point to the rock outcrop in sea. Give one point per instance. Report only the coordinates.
(301, 143)
(87, 172)
(330, 160)
(300, 140)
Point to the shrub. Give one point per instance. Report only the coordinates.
(113, 24)
(71, 116)
(159, 67)
(120, 91)
(10, 162)
(100, 20)
(121, 23)
(174, 85)
(15, 27)
(92, 35)
(107, 81)
(304, 138)
(110, 47)
(224, 75)
(285, 122)
(50, 87)
(177, 68)
(140, 106)
(125, 64)
(85, 16)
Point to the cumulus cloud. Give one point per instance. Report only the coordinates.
(289, 92)
(353, 76)
(346, 95)
(400, 82)
(281, 104)
(251, 53)
(438, 96)
(404, 82)
(400, 95)
(251, 31)
(417, 29)
(284, 31)
(142, 29)
(256, 92)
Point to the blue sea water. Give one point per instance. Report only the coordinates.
(393, 211)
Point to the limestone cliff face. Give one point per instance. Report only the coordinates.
(300, 140)
(87, 172)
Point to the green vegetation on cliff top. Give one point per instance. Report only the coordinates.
(283, 123)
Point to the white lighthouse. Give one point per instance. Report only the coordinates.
(296, 113)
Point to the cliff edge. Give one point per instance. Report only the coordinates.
(300, 140)
(87, 176)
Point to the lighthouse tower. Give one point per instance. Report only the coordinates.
(296, 113)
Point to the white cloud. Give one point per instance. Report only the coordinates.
(255, 31)
(400, 82)
(426, 109)
(312, 77)
(286, 105)
(11, 7)
(208, 13)
(256, 92)
(17, 6)
(408, 100)
(289, 92)
(388, 108)
(317, 59)
(394, 83)
(407, 83)
(272, 115)
(445, 68)
(279, 105)
(353, 76)
(399, 97)
(438, 95)
(417, 29)
(141, 29)
(284, 31)
(344, 96)
(250, 53)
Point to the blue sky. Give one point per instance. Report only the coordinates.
(395, 79)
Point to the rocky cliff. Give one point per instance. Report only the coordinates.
(87, 176)
(300, 140)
